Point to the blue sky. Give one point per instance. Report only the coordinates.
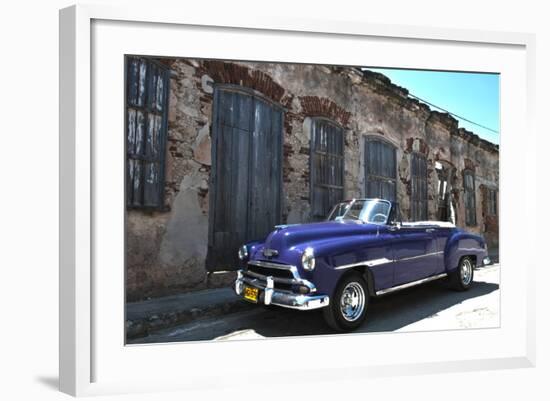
(474, 96)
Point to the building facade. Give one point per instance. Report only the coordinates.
(220, 152)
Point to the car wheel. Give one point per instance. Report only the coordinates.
(348, 306)
(463, 276)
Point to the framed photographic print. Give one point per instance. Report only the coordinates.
(285, 187)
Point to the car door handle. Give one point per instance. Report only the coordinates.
(430, 230)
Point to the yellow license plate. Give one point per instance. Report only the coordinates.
(251, 294)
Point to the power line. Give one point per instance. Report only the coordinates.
(441, 108)
(453, 114)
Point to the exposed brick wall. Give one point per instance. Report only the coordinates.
(322, 107)
(231, 73)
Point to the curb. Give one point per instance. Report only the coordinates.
(146, 317)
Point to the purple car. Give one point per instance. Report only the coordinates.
(363, 251)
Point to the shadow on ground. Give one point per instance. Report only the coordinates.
(387, 313)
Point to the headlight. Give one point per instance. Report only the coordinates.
(308, 259)
(243, 252)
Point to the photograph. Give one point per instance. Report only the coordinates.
(271, 199)
(201, 190)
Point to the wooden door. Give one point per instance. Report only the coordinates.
(246, 173)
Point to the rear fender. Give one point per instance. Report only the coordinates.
(462, 244)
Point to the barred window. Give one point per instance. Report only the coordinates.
(380, 169)
(147, 84)
(419, 187)
(470, 197)
(492, 202)
(327, 166)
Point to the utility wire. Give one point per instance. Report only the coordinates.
(453, 114)
(442, 109)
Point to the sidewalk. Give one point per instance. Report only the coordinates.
(145, 317)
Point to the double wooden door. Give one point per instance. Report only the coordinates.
(246, 179)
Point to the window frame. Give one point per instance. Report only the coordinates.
(492, 202)
(370, 139)
(467, 214)
(313, 153)
(146, 108)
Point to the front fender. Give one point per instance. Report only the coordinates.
(325, 277)
(331, 254)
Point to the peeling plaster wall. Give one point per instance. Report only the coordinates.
(166, 250)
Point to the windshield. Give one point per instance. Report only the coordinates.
(338, 211)
(374, 211)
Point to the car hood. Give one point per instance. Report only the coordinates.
(286, 237)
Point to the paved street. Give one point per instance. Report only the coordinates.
(428, 307)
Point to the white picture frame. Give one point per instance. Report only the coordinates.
(93, 39)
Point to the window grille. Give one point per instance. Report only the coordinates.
(327, 166)
(147, 84)
(419, 188)
(470, 198)
(380, 170)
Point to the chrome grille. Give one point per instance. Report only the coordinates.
(285, 277)
(269, 271)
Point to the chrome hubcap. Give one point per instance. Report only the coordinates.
(466, 270)
(352, 302)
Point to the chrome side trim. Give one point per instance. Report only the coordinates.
(382, 261)
(369, 263)
(411, 284)
(419, 256)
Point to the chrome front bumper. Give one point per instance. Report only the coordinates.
(271, 296)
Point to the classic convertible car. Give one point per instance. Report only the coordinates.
(364, 251)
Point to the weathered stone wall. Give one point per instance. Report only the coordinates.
(166, 250)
